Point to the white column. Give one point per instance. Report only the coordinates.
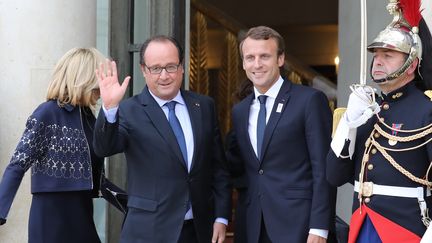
(33, 36)
(349, 67)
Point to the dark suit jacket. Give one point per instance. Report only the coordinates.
(288, 186)
(159, 185)
(239, 183)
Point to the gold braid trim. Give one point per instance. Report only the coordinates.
(407, 149)
(399, 167)
(403, 139)
(381, 120)
(370, 142)
(365, 159)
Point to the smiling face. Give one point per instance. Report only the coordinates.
(161, 54)
(261, 62)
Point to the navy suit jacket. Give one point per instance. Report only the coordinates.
(288, 185)
(158, 182)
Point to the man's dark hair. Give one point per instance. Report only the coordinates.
(161, 38)
(264, 33)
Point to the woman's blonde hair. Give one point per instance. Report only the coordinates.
(74, 81)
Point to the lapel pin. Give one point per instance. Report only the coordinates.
(279, 108)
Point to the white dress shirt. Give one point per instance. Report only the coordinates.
(255, 107)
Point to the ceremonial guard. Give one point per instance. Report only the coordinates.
(383, 141)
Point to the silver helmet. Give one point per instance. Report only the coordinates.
(399, 36)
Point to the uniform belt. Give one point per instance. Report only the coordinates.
(370, 189)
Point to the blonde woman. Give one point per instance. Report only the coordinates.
(56, 147)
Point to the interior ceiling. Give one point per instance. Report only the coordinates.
(309, 28)
(280, 13)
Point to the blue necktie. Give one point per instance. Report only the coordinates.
(261, 123)
(178, 132)
(176, 127)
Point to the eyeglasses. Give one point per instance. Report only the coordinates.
(170, 68)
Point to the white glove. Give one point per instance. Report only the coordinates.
(342, 134)
(361, 106)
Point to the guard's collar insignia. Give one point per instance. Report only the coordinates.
(397, 95)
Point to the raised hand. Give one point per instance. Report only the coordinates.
(361, 106)
(110, 89)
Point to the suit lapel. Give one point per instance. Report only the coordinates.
(160, 122)
(194, 108)
(277, 111)
(244, 108)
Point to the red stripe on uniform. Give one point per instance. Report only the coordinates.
(387, 230)
(355, 225)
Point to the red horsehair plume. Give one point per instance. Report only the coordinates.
(411, 11)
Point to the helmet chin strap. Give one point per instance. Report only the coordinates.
(396, 74)
(387, 79)
(383, 80)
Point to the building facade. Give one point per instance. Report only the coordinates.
(33, 36)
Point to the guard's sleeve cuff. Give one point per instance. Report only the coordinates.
(343, 134)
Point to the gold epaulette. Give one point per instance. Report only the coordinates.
(428, 93)
(337, 115)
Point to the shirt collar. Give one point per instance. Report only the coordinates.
(161, 102)
(273, 91)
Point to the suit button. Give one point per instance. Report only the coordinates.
(374, 151)
(367, 200)
(261, 171)
(370, 166)
(386, 106)
(376, 135)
